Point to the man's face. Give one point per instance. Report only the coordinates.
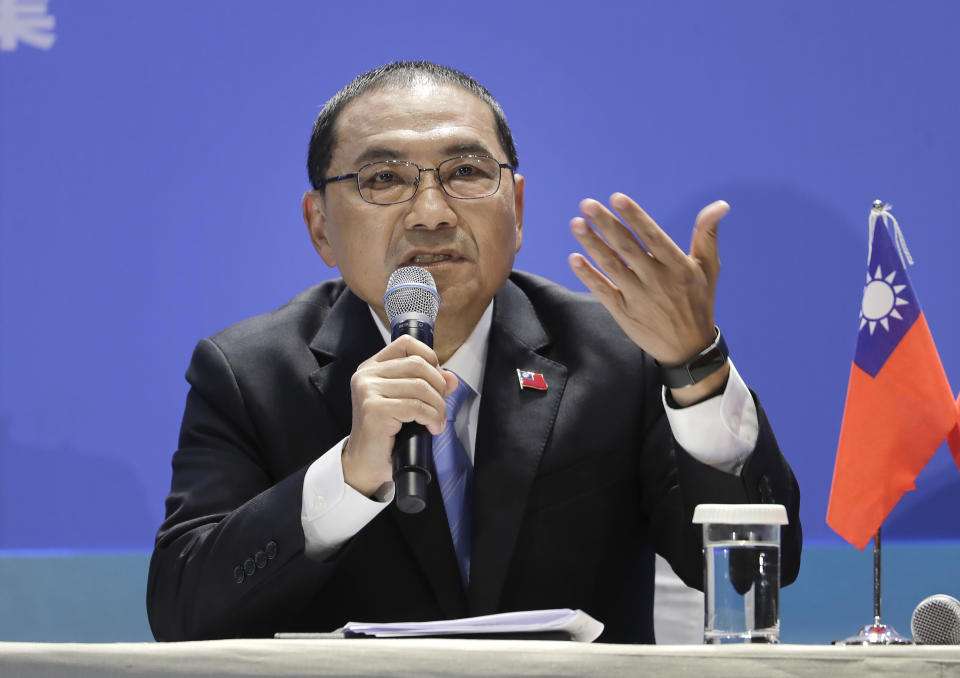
(468, 245)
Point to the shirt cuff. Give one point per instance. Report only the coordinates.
(332, 512)
(720, 431)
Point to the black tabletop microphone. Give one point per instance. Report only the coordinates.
(936, 621)
(412, 302)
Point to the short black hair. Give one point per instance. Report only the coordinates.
(395, 74)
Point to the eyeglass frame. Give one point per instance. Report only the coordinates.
(420, 170)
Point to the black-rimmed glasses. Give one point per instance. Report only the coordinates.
(389, 182)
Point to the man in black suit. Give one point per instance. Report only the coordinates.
(280, 515)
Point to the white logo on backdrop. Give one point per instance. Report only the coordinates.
(25, 21)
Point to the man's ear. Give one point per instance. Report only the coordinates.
(518, 184)
(315, 217)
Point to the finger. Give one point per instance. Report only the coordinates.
(615, 271)
(657, 242)
(411, 354)
(452, 382)
(405, 410)
(407, 389)
(605, 291)
(704, 247)
(407, 346)
(413, 367)
(619, 239)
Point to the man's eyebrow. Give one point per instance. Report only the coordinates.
(466, 148)
(375, 153)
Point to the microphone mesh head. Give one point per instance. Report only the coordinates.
(936, 621)
(411, 289)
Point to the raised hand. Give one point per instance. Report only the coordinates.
(661, 297)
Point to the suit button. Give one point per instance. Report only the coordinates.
(238, 574)
(260, 558)
(249, 566)
(271, 550)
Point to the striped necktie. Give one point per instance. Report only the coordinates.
(455, 476)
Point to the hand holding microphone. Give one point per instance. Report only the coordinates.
(397, 397)
(412, 302)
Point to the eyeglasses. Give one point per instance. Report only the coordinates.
(389, 182)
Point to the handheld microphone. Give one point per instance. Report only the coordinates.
(412, 302)
(936, 621)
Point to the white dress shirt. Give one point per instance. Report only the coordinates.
(720, 431)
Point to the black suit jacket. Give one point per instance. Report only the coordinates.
(575, 486)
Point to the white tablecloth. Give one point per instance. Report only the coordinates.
(449, 657)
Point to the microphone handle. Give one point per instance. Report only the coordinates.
(413, 446)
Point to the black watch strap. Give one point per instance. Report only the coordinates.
(698, 368)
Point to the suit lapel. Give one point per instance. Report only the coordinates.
(512, 432)
(347, 337)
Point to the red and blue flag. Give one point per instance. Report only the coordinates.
(899, 405)
(530, 379)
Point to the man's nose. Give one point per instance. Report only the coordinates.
(430, 207)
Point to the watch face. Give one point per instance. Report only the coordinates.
(710, 360)
(700, 367)
(706, 363)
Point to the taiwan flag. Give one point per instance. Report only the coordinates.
(530, 379)
(899, 404)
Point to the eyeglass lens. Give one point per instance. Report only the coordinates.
(394, 181)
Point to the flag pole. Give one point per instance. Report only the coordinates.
(876, 633)
(876, 578)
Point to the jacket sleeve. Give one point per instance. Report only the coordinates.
(229, 558)
(766, 478)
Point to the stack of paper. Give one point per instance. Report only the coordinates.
(575, 623)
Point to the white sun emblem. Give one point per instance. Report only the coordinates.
(880, 301)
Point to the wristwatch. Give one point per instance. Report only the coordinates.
(698, 368)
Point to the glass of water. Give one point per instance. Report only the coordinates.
(741, 548)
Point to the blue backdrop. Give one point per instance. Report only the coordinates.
(152, 164)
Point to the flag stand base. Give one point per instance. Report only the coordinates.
(876, 633)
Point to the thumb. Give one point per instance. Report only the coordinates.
(452, 382)
(703, 243)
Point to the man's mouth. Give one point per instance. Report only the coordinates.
(421, 259)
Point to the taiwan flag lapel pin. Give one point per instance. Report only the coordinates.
(531, 380)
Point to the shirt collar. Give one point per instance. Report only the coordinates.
(470, 360)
